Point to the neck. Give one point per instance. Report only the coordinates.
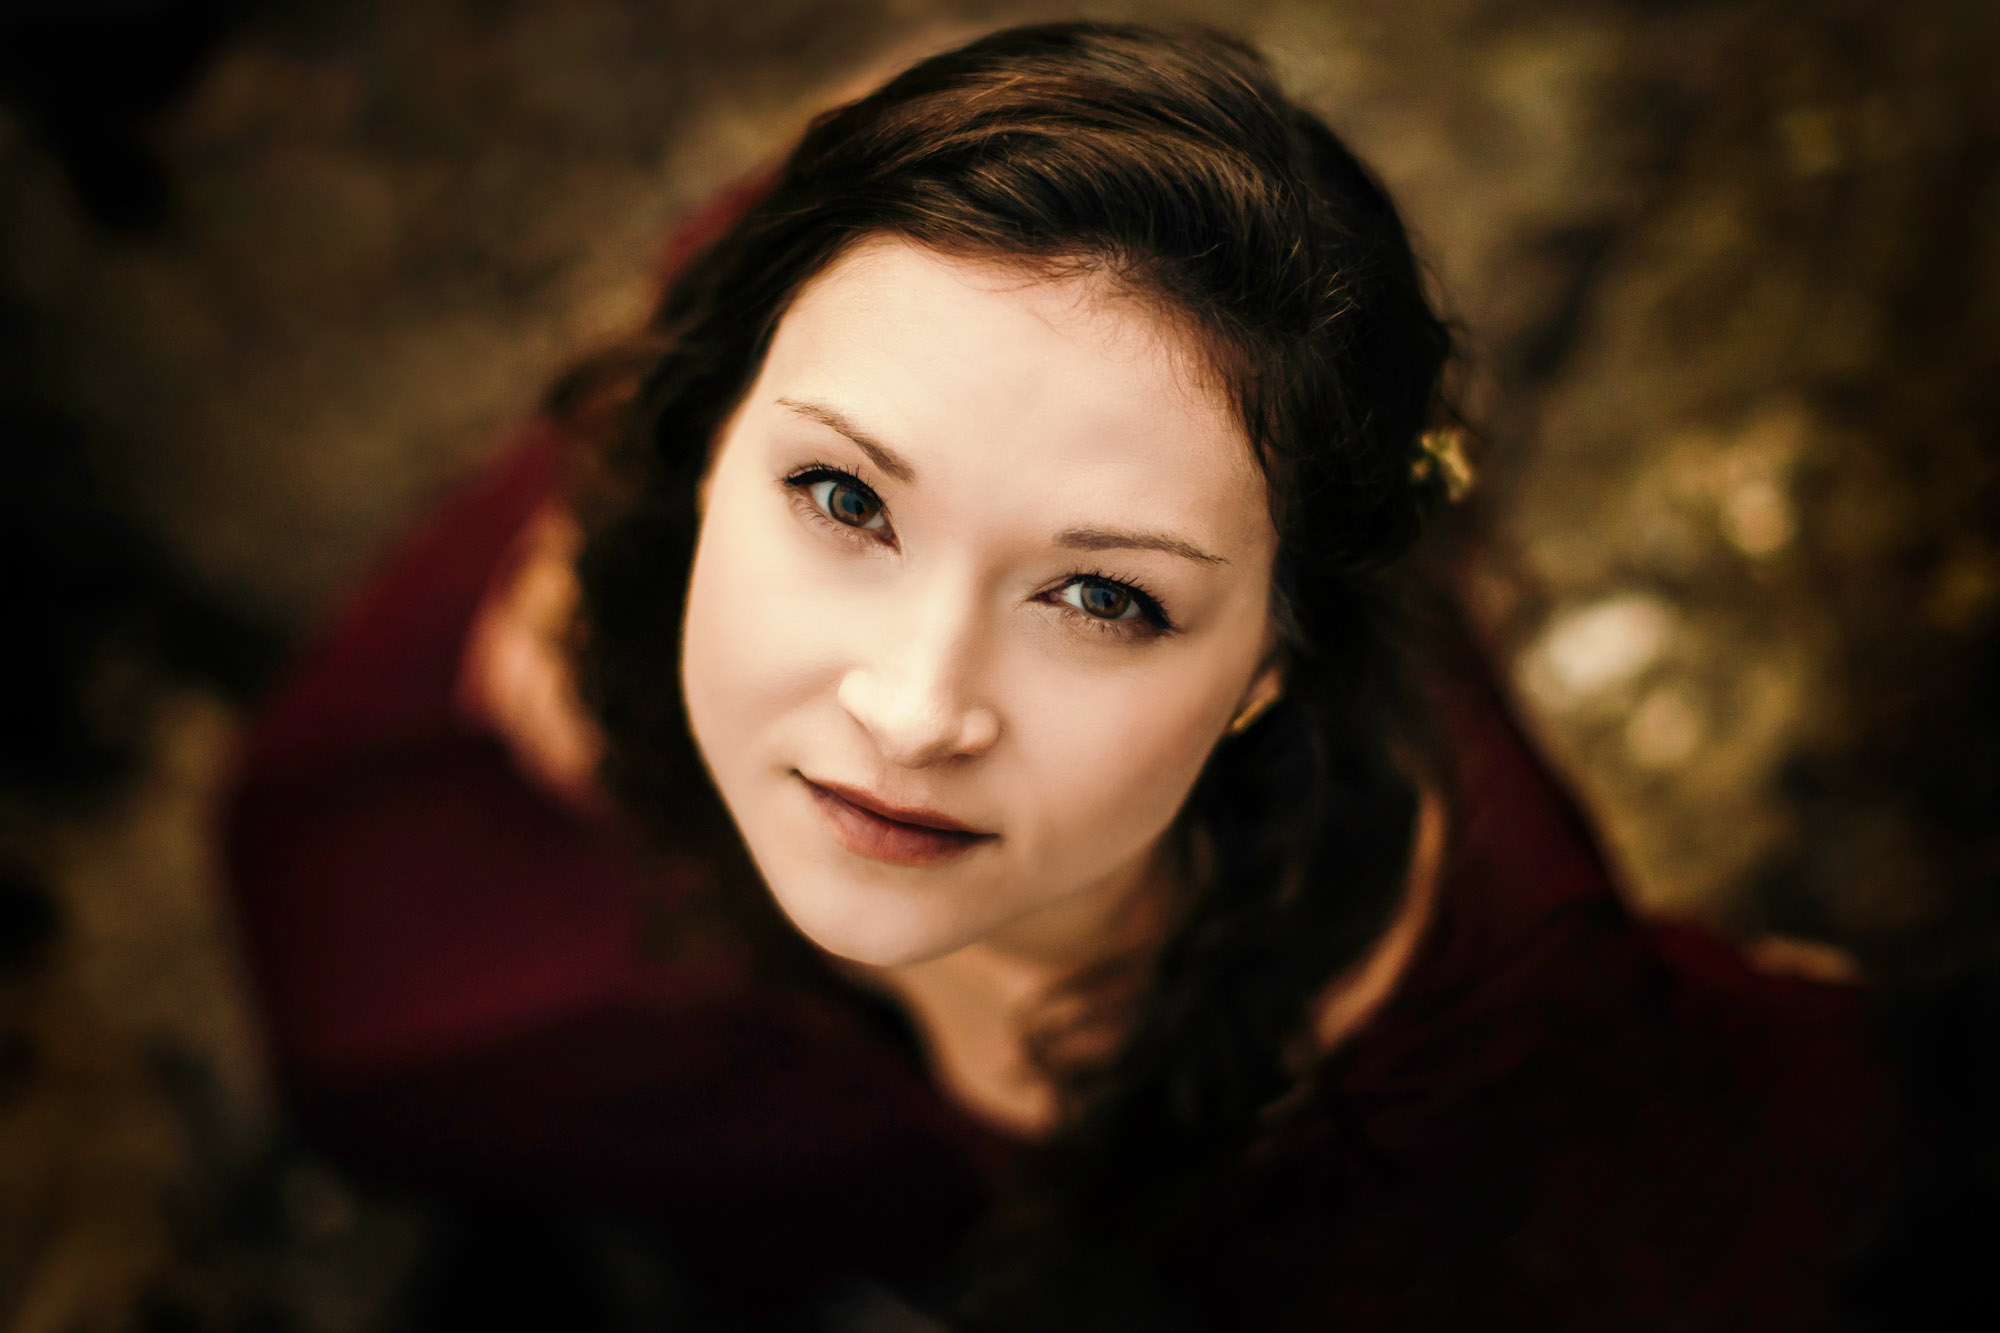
(974, 1007)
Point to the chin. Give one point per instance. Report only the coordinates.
(879, 933)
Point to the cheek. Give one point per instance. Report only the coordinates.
(774, 619)
(742, 653)
(1112, 761)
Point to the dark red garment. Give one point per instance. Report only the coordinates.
(1563, 1119)
(1566, 1118)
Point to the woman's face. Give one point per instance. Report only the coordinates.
(984, 572)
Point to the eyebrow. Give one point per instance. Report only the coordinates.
(1121, 539)
(878, 453)
(1075, 539)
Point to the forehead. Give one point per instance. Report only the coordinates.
(982, 369)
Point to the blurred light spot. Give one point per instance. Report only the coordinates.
(1665, 729)
(1741, 477)
(1601, 646)
(1813, 960)
(1757, 517)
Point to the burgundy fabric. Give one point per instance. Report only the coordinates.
(1564, 1118)
(1577, 1119)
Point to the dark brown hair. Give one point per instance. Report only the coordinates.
(1171, 163)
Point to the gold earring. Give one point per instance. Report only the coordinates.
(1244, 720)
(1442, 453)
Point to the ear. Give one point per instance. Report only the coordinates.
(1265, 689)
(1269, 682)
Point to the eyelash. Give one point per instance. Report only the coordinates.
(1151, 622)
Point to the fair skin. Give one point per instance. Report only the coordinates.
(916, 583)
(923, 533)
(984, 549)
(989, 546)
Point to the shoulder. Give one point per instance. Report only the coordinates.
(1646, 1130)
(1558, 1111)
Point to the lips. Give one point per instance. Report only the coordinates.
(897, 835)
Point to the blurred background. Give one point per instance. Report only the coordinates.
(274, 277)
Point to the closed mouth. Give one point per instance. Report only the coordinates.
(915, 817)
(895, 835)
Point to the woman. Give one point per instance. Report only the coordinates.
(1019, 483)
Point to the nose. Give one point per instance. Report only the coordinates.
(910, 690)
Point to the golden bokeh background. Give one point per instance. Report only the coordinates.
(274, 277)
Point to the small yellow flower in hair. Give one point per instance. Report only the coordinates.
(1443, 454)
